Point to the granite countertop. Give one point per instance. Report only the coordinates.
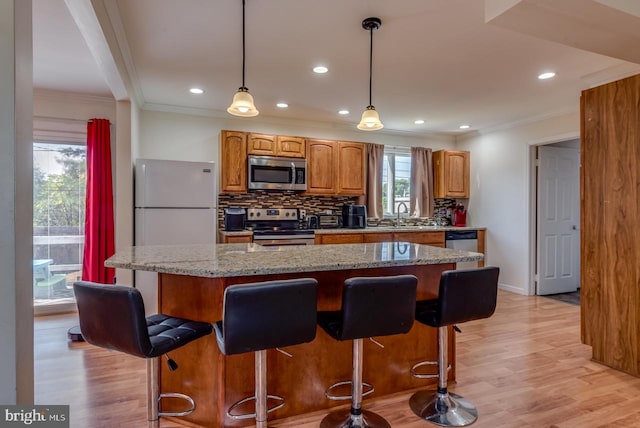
(408, 228)
(236, 232)
(229, 260)
(370, 229)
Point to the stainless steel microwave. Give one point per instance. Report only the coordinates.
(277, 173)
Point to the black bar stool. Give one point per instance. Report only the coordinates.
(376, 306)
(464, 295)
(261, 316)
(112, 317)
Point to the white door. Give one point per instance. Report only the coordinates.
(558, 220)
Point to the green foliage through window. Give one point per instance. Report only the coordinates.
(59, 178)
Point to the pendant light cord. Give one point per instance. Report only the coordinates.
(370, 63)
(243, 55)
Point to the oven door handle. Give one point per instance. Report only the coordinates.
(277, 242)
(293, 173)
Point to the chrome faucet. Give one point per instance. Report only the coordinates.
(406, 210)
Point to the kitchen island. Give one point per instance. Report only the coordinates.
(191, 284)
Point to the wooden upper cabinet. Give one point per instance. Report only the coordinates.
(451, 174)
(351, 168)
(261, 144)
(276, 145)
(293, 147)
(321, 167)
(233, 162)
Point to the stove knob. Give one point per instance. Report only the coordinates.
(257, 214)
(286, 215)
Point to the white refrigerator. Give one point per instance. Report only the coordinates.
(175, 203)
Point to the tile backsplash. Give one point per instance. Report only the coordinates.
(313, 204)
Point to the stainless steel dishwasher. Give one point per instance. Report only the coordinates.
(465, 240)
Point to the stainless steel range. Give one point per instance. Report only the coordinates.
(279, 226)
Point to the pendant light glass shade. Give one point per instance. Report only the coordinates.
(370, 120)
(242, 104)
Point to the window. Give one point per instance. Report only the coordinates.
(396, 179)
(59, 185)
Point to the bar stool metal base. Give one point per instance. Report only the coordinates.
(448, 409)
(344, 419)
(154, 397)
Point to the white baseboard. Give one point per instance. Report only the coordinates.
(512, 289)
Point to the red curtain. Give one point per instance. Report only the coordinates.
(98, 226)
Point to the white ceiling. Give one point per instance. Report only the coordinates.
(434, 60)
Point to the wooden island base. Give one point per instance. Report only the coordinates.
(216, 381)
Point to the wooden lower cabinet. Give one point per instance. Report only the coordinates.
(236, 239)
(377, 237)
(481, 245)
(435, 238)
(339, 238)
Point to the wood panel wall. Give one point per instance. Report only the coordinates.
(610, 237)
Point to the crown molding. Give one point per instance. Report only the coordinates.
(53, 95)
(611, 74)
(522, 122)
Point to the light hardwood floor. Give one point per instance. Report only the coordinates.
(523, 367)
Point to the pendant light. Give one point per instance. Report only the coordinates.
(242, 104)
(370, 120)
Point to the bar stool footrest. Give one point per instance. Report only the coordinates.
(237, 404)
(179, 396)
(330, 396)
(417, 375)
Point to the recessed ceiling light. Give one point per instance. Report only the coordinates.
(464, 126)
(321, 69)
(343, 112)
(418, 122)
(547, 75)
(282, 105)
(196, 91)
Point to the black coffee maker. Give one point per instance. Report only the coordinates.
(354, 216)
(234, 218)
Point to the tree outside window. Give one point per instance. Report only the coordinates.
(59, 186)
(396, 181)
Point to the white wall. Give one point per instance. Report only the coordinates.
(165, 135)
(16, 202)
(501, 194)
(61, 106)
